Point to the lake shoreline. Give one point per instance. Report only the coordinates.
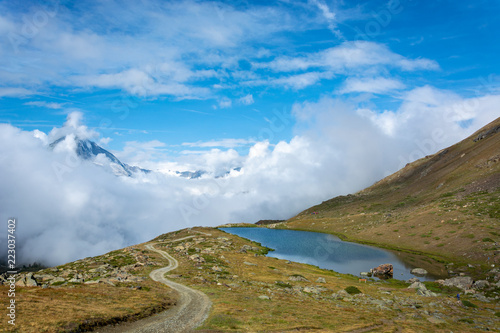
(409, 260)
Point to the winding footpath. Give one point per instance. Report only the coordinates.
(191, 310)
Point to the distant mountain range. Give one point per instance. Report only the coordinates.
(89, 150)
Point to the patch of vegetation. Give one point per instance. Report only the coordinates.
(487, 239)
(58, 283)
(297, 275)
(213, 260)
(224, 320)
(468, 236)
(466, 320)
(121, 260)
(468, 304)
(497, 314)
(351, 290)
(439, 288)
(283, 284)
(191, 251)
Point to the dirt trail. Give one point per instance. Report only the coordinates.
(191, 310)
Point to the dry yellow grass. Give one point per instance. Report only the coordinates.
(80, 307)
(238, 307)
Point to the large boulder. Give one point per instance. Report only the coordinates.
(462, 282)
(297, 278)
(418, 271)
(383, 270)
(27, 281)
(481, 284)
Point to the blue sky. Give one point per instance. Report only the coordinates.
(188, 73)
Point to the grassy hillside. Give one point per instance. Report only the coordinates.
(446, 204)
(249, 292)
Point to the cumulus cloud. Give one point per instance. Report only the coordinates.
(68, 208)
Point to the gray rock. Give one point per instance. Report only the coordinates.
(249, 263)
(321, 280)
(462, 282)
(27, 281)
(93, 282)
(417, 285)
(76, 280)
(264, 297)
(57, 279)
(425, 292)
(418, 271)
(298, 278)
(481, 284)
(412, 280)
(311, 290)
(216, 269)
(365, 274)
(482, 298)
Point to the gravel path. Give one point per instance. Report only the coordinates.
(191, 310)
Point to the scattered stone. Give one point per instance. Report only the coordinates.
(245, 248)
(412, 280)
(418, 271)
(425, 292)
(321, 280)
(197, 258)
(216, 269)
(311, 290)
(249, 263)
(264, 297)
(482, 298)
(297, 278)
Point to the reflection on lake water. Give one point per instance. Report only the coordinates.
(330, 252)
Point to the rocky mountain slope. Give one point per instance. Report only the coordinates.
(446, 205)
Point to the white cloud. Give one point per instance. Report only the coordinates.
(329, 16)
(15, 92)
(349, 55)
(69, 209)
(148, 49)
(247, 100)
(225, 103)
(48, 105)
(377, 85)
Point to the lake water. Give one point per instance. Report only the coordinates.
(327, 251)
